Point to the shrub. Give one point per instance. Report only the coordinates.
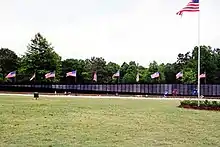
(194, 103)
(202, 104)
(216, 104)
(205, 103)
(185, 102)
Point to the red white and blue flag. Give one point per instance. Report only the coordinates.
(155, 75)
(71, 74)
(117, 74)
(50, 75)
(179, 75)
(192, 6)
(202, 75)
(11, 74)
(95, 77)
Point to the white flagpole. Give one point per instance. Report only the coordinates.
(198, 89)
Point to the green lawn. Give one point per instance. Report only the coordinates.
(104, 122)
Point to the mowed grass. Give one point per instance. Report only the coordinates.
(104, 122)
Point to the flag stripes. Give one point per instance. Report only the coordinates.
(117, 74)
(192, 6)
(155, 75)
(179, 75)
(202, 76)
(11, 75)
(71, 74)
(50, 75)
(95, 77)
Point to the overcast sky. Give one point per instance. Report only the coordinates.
(118, 30)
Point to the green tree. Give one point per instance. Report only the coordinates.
(123, 69)
(131, 73)
(111, 68)
(144, 75)
(69, 65)
(189, 76)
(161, 70)
(183, 61)
(40, 58)
(154, 67)
(170, 73)
(216, 58)
(208, 64)
(98, 65)
(9, 61)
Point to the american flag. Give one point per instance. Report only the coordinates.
(95, 77)
(202, 76)
(192, 6)
(50, 75)
(11, 74)
(179, 75)
(117, 74)
(155, 75)
(71, 74)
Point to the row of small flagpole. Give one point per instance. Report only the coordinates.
(116, 75)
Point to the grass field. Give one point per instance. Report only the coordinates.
(104, 122)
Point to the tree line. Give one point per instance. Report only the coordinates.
(41, 58)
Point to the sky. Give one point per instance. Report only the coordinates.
(117, 30)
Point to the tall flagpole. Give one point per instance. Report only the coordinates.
(198, 89)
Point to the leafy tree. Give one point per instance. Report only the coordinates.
(170, 73)
(216, 58)
(207, 62)
(69, 65)
(161, 69)
(128, 78)
(9, 61)
(144, 75)
(189, 76)
(40, 58)
(98, 65)
(123, 69)
(131, 73)
(111, 68)
(154, 67)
